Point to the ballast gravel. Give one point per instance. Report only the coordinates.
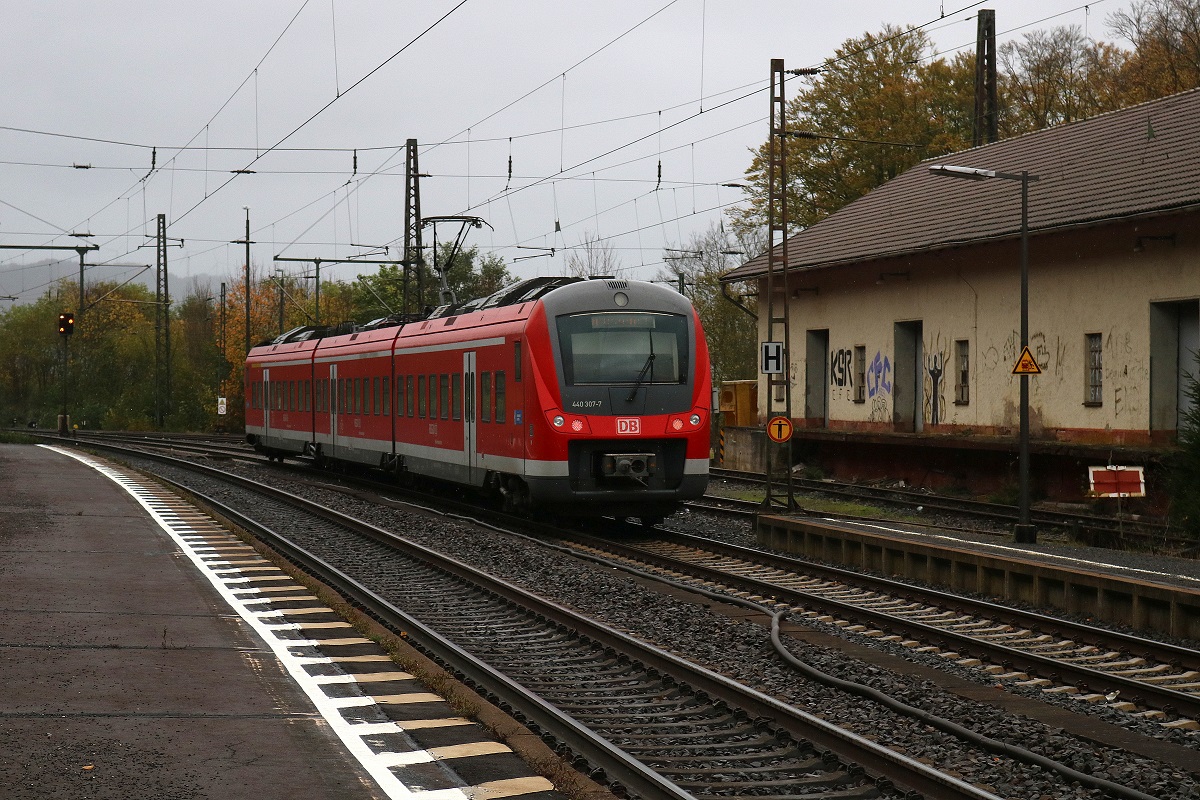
(740, 649)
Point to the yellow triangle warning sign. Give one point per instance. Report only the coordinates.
(1026, 364)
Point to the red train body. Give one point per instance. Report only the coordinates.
(587, 396)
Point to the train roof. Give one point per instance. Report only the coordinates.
(519, 293)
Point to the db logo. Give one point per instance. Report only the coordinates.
(631, 427)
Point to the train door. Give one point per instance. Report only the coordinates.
(334, 403)
(470, 430)
(268, 399)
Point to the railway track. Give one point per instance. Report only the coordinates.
(628, 713)
(1092, 529)
(1143, 677)
(601, 705)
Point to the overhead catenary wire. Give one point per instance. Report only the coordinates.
(562, 127)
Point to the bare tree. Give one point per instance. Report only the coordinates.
(1166, 38)
(592, 256)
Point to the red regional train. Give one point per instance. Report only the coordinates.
(586, 396)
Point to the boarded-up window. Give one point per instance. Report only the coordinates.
(962, 372)
(1094, 348)
(860, 374)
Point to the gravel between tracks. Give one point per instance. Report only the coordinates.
(742, 650)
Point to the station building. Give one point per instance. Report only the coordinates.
(904, 310)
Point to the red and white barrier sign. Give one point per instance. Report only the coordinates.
(1114, 481)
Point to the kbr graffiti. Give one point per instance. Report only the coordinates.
(840, 364)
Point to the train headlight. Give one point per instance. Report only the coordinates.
(695, 420)
(568, 423)
(677, 424)
(621, 299)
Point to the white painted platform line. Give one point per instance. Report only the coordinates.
(351, 735)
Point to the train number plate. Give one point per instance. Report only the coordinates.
(629, 426)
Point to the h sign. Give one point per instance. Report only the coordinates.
(772, 358)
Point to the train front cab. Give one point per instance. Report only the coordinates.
(626, 400)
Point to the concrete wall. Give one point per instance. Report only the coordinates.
(1127, 282)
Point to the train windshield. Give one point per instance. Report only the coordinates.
(627, 347)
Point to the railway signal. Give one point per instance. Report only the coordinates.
(66, 323)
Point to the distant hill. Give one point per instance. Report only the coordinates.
(30, 280)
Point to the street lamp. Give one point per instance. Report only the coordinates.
(1024, 531)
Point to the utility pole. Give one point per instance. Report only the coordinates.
(985, 129)
(162, 328)
(279, 283)
(412, 225)
(778, 367)
(247, 242)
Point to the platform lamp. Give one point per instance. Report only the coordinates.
(1024, 531)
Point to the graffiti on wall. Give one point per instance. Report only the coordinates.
(879, 376)
(840, 366)
(937, 356)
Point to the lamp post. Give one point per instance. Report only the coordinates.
(1024, 531)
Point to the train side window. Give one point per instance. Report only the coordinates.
(387, 397)
(421, 397)
(444, 392)
(293, 396)
(517, 361)
(485, 397)
(399, 395)
(433, 397)
(411, 395)
(500, 397)
(376, 400)
(456, 396)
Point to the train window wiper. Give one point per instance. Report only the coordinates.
(641, 376)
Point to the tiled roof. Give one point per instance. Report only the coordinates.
(1138, 160)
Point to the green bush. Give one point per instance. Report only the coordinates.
(1183, 466)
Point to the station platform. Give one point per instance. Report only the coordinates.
(1140, 590)
(146, 652)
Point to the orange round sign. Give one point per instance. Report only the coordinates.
(779, 429)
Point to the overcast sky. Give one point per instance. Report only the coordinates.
(585, 98)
